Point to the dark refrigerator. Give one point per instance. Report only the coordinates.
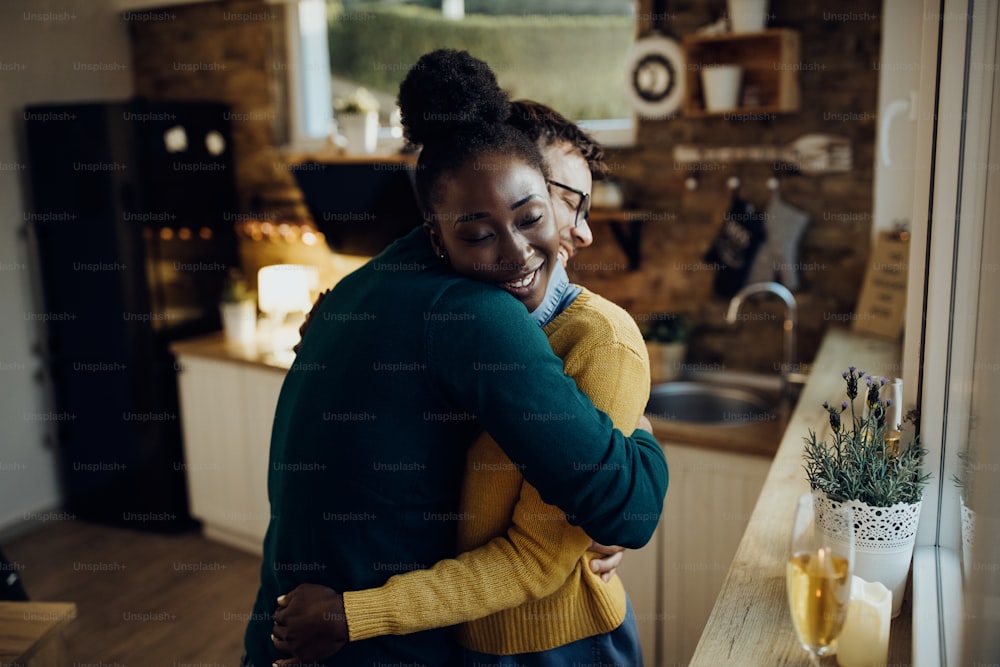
(133, 204)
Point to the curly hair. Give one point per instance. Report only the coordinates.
(546, 126)
(453, 108)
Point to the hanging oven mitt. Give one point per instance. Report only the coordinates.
(735, 246)
(779, 254)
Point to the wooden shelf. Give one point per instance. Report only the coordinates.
(335, 157)
(770, 62)
(626, 226)
(601, 215)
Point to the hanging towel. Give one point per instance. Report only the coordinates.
(735, 246)
(784, 225)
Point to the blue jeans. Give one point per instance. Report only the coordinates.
(618, 648)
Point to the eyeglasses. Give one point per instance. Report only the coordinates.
(582, 207)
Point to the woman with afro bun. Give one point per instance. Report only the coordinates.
(521, 590)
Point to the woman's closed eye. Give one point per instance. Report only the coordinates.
(472, 240)
(531, 220)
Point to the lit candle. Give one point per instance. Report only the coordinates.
(864, 641)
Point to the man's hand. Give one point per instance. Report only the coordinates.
(645, 424)
(309, 316)
(310, 624)
(606, 566)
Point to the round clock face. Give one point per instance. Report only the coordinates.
(653, 78)
(656, 83)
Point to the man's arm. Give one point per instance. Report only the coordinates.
(492, 360)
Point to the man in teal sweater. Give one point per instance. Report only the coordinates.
(403, 364)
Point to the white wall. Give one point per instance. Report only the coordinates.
(50, 51)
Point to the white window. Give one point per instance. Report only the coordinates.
(574, 63)
(953, 335)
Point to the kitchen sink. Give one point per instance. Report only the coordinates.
(708, 403)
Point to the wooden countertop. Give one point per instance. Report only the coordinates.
(28, 629)
(750, 624)
(215, 346)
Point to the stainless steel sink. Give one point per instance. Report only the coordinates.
(707, 403)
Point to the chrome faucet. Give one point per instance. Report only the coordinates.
(791, 319)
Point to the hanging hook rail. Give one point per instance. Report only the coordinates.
(810, 153)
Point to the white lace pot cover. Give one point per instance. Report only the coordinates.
(883, 541)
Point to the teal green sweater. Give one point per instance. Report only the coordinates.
(402, 365)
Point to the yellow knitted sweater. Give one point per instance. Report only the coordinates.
(523, 582)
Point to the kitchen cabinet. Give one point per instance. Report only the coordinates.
(770, 63)
(674, 580)
(227, 407)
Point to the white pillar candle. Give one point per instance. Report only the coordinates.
(864, 641)
(897, 403)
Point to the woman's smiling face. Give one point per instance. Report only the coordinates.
(494, 220)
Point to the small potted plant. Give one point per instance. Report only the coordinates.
(356, 117)
(238, 307)
(666, 336)
(881, 480)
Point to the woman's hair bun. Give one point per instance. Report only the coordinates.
(449, 91)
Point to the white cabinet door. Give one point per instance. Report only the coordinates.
(227, 409)
(707, 507)
(210, 404)
(261, 387)
(639, 575)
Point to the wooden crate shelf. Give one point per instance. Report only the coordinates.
(770, 62)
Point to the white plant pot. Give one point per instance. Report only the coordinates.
(968, 536)
(747, 15)
(360, 131)
(721, 86)
(666, 361)
(883, 541)
(239, 321)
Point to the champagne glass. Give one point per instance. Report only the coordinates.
(819, 574)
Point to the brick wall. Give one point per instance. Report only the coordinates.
(838, 79)
(234, 52)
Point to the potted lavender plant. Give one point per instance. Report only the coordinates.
(882, 480)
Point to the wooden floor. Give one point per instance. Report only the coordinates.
(142, 598)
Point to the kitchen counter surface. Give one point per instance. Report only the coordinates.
(750, 624)
(215, 346)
